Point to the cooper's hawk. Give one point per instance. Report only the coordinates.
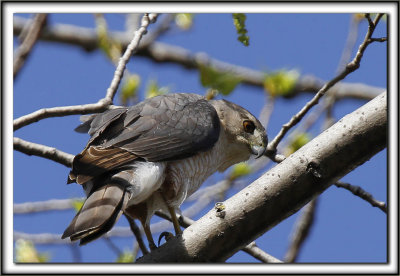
(154, 155)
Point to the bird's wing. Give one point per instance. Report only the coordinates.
(162, 128)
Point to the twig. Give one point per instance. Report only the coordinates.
(102, 104)
(138, 234)
(42, 206)
(132, 46)
(360, 192)
(54, 154)
(76, 253)
(301, 232)
(60, 112)
(162, 27)
(162, 52)
(253, 250)
(350, 67)
(23, 51)
(112, 246)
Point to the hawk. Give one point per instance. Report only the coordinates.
(153, 155)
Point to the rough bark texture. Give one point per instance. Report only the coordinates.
(283, 190)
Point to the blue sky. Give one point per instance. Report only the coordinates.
(347, 229)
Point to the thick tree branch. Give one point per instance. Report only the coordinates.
(350, 67)
(358, 191)
(252, 249)
(29, 40)
(102, 104)
(283, 190)
(86, 38)
(54, 154)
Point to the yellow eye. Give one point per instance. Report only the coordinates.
(248, 126)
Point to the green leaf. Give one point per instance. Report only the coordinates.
(239, 170)
(125, 257)
(77, 204)
(25, 252)
(184, 20)
(281, 83)
(225, 83)
(111, 48)
(239, 20)
(153, 89)
(129, 88)
(299, 140)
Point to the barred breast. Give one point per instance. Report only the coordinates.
(184, 177)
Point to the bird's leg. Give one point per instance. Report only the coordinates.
(174, 219)
(149, 236)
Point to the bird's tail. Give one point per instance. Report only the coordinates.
(99, 213)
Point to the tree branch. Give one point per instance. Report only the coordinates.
(23, 51)
(284, 189)
(86, 38)
(350, 67)
(252, 249)
(54, 154)
(360, 192)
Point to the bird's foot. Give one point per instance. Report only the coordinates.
(166, 235)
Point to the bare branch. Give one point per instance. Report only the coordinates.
(42, 206)
(285, 189)
(138, 234)
(112, 246)
(102, 104)
(301, 231)
(351, 67)
(360, 192)
(54, 154)
(162, 52)
(60, 112)
(132, 46)
(253, 250)
(23, 51)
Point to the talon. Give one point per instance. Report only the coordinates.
(167, 236)
(152, 246)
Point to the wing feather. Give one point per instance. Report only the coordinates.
(162, 128)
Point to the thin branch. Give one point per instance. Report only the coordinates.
(350, 67)
(162, 27)
(23, 51)
(132, 46)
(76, 253)
(102, 104)
(360, 192)
(112, 246)
(138, 234)
(301, 231)
(43, 206)
(54, 154)
(60, 112)
(380, 39)
(253, 250)
(162, 52)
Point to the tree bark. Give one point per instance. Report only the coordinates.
(283, 190)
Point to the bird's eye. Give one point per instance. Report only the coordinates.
(248, 126)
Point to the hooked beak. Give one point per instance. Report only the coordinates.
(258, 151)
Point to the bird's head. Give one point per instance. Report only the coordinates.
(244, 132)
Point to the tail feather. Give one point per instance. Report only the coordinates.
(98, 214)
